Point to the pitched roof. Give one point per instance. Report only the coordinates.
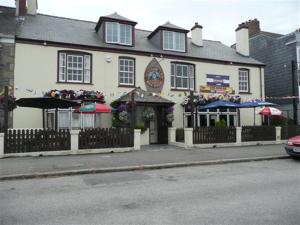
(77, 32)
(168, 26)
(7, 21)
(142, 96)
(172, 26)
(116, 16)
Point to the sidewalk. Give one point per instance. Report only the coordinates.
(150, 157)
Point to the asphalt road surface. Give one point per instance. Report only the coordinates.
(265, 192)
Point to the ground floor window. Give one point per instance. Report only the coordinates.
(67, 119)
(209, 118)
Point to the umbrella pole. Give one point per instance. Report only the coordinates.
(56, 119)
(254, 115)
(43, 118)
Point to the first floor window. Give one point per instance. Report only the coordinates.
(74, 67)
(182, 76)
(298, 57)
(126, 71)
(244, 80)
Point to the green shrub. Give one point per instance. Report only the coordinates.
(142, 127)
(221, 123)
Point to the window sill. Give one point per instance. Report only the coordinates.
(175, 89)
(245, 93)
(126, 86)
(59, 82)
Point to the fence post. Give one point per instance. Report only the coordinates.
(171, 134)
(74, 140)
(188, 137)
(137, 139)
(238, 135)
(1, 145)
(278, 134)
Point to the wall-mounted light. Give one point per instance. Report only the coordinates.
(108, 59)
(45, 43)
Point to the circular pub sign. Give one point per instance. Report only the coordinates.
(154, 76)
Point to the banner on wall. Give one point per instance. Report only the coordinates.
(217, 84)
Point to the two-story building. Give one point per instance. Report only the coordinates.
(114, 57)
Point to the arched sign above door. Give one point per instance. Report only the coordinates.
(154, 76)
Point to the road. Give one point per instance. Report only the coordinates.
(265, 192)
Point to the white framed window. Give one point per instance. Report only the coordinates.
(174, 41)
(182, 76)
(244, 80)
(74, 67)
(118, 33)
(126, 71)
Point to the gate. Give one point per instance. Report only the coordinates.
(36, 140)
(105, 138)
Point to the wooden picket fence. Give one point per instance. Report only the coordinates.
(105, 138)
(208, 135)
(36, 140)
(258, 133)
(289, 131)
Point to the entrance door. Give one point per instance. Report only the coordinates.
(153, 130)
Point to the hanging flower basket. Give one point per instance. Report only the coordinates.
(148, 114)
(123, 116)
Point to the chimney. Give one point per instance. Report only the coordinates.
(32, 7)
(20, 8)
(197, 35)
(253, 27)
(242, 39)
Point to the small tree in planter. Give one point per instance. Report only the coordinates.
(170, 114)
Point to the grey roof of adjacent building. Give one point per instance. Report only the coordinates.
(78, 32)
(7, 21)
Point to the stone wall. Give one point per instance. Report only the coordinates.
(7, 60)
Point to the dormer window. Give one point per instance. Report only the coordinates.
(118, 33)
(174, 41)
(169, 37)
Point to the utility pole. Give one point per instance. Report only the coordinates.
(294, 93)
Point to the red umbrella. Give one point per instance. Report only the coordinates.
(270, 111)
(93, 108)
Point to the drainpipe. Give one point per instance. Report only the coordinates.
(294, 93)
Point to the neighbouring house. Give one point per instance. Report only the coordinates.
(277, 51)
(7, 54)
(160, 67)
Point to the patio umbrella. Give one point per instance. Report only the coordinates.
(254, 104)
(93, 108)
(270, 111)
(46, 103)
(220, 104)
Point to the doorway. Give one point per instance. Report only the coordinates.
(153, 130)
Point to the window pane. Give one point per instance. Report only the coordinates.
(88, 120)
(179, 41)
(76, 122)
(125, 34)
(63, 120)
(168, 39)
(62, 66)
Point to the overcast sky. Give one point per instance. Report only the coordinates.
(219, 18)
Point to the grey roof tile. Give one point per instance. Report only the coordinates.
(116, 16)
(78, 32)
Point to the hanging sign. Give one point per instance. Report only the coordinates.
(154, 76)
